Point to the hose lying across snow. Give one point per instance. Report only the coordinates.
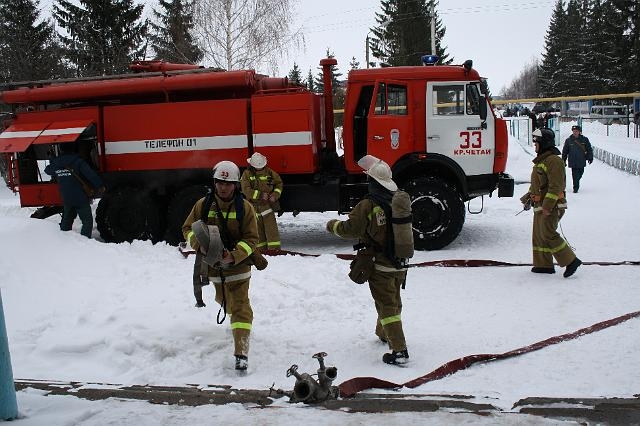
(357, 384)
(448, 262)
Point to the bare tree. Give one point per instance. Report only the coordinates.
(242, 34)
(525, 85)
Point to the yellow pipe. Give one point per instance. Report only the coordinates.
(566, 98)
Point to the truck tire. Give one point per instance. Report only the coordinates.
(438, 212)
(128, 214)
(179, 208)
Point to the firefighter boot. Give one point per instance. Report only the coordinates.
(572, 267)
(396, 357)
(242, 363)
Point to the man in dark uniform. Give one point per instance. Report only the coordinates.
(546, 195)
(577, 149)
(368, 223)
(68, 168)
(232, 274)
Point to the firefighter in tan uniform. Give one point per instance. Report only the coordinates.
(239, 235)
(547, 196)
(263, 188)
(368, 223)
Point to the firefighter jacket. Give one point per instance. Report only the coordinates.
(578, 151)
(243, 233)
(547, 182)
(260, 184)
(368, 223)
(70, 188)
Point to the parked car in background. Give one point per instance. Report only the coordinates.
(608, 114)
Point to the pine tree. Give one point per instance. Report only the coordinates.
(29, 49)
(604, 35)
(295, 75)
(310, 83)
(403, 34)
(628, 12)
(102, 36)
(171, 35)
(575, 78)
(553, 64)
(354, 64)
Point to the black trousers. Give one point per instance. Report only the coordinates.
(576, 175)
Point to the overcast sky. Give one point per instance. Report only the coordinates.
(500, 36)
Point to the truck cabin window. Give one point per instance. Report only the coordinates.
(391, 100)
(448, 100)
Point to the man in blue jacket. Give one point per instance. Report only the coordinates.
(66, 168)
(577, 149)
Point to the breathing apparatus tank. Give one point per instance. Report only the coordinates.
(401, 223)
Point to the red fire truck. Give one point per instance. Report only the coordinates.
(154, 136)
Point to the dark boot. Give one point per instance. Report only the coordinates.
(543, 270)
(572, 267)
(396, 357)
(242, 362)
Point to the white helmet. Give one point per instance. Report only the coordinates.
(379, 170)
(227, 171)
(257, 160)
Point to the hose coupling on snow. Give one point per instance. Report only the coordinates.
(309, 390)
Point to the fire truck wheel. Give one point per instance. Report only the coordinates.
(128, 214)
(438, 212)
(179, 208)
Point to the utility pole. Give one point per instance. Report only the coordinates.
(367, 49)
(8, 404)
(433, 27)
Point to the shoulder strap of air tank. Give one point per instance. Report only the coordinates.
(239, 205)
(206, 206)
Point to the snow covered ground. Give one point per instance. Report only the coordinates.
(82, 310)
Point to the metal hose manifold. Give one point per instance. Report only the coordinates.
(307, 389)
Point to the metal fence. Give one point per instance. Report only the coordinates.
(619, 162)
(628, 130)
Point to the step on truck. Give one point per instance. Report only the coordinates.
(155, 133)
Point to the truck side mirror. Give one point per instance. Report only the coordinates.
(483, 108)
(483, 111)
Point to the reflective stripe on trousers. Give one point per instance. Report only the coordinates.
(231, 278)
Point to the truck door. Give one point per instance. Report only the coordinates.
(455, 129)
(389, 133)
